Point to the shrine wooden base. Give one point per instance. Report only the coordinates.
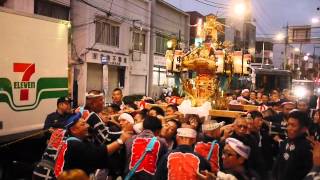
(242, 109)
(225, 113)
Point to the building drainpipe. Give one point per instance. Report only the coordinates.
(262, 61)
(151, 48)
(253, 78)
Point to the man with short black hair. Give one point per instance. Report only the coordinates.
(171, 109)
(264, 99)
(113, 109)
(156, 111)
(302, 105)
(257, 120)
(169, 131)
(172, 112)
(117, 97)
(265, 143)
(137, 144)
(287, 95)
(295, 157)
(281, 120)
(253, 98)
(275, 96)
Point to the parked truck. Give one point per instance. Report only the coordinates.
(33, 70)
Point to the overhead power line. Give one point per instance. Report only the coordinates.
(127, 20)
(219, 7)
(219, 4)
(155, 14)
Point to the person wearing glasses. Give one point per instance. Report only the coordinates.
(240, 132)
(235, 155)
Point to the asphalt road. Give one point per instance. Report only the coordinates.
(17, 160)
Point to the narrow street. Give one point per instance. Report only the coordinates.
(18, 160)
(159, 89)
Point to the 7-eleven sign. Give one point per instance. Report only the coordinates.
(24, 85)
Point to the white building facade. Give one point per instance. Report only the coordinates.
(168, 22)
(110, 46)
(115, 44)
(123, 45)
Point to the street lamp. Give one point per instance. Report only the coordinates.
(315, 20)
(239, 9)
(169, 44)
(296, 50)
(172, 43)
(279, 37)
(282, 37)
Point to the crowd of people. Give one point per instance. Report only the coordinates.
(151, 139)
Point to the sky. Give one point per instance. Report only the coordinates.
(271, 15)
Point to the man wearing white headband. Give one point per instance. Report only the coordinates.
(100, 132)
(138, 144)
(209, 147)
(125, 119)
(238, 146)
(182, 162)
(245, 96)
(235, 154)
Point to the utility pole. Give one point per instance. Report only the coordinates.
(262, 61)
(285, 48)
(314, 60)
(151, 49)
(299, 61)
(244, 44)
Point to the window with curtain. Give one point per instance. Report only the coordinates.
(161, 44)
(107, 33)
(139, 41)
